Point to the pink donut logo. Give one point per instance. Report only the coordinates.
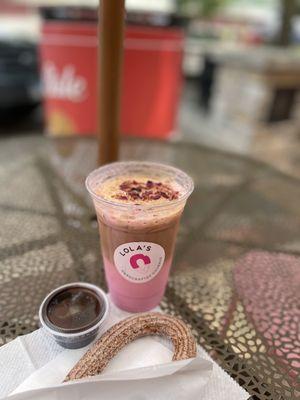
(135, 258)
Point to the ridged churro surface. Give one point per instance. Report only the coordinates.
(105, 348)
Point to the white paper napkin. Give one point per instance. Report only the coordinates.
(33, 367)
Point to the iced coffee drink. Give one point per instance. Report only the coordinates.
(138, 206)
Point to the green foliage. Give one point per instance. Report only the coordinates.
(204, 8)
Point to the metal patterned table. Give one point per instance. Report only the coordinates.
(243, 307)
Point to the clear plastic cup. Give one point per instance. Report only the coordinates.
(74, 313)
(138, 240)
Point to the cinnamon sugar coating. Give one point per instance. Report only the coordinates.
(153, 323)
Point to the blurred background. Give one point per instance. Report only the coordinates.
(223, 73)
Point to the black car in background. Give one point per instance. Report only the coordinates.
(20, 87)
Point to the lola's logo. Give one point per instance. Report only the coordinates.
(139, 257)
(64, 84)
(139, 262)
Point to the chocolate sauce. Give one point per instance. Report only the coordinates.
(74, 309)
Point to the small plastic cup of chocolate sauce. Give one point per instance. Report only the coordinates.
(74, 313)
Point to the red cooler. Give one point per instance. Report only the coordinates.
(152, 78)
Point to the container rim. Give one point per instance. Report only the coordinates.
(90, 286)
(125, 164)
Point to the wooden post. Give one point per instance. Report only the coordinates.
(111, 33)
(288, 11)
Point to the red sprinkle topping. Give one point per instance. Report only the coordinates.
(133, 190)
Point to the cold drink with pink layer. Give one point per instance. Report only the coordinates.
(138, 207)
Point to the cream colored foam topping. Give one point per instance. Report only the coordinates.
(139, 190)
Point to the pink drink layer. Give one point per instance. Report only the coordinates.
(132, 297)
(138, 216)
